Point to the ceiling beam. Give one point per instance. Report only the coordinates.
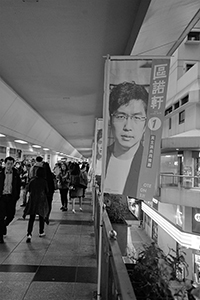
(140, 15)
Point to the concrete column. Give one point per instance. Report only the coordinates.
(54, 159)
(7, 151)
(45, 157)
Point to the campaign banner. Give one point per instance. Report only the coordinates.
(134, 104)
(98, 146)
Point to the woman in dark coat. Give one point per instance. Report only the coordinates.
(37, 202)
(63, 185)
(49, 176)
(76, 189)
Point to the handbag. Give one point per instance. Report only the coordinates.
(55, 182)
(83, 180)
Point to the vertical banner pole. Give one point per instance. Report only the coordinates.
(105, 133)
(93, 180)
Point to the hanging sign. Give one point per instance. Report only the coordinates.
(134, 105)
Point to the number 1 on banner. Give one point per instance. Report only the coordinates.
(154, 123)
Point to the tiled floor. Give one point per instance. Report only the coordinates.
(61, 265)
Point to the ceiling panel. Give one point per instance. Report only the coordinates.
(52, 55)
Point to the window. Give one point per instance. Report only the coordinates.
(2, 149)
(170, 123)
(182, 117)
(168, 110)
(193, 36)
(188, 66)
(184, 100)
(13, 151)
(176, 105)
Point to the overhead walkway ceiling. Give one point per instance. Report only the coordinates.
(52, 56)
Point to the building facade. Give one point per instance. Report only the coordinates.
(172, 219)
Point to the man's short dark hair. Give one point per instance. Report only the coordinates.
(39, 159)
(9, 158)
(123, 93)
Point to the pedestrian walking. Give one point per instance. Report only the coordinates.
(25, 177)
(49, 176)
(10, 185)
(37, 203)
(76, 190)
(38, 163)
(63, 185)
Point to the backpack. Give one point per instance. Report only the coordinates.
(75, 180)
(83, 180)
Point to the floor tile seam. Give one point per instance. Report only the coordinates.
(13, 250)
(23, 239)
(35, 267)
(27, 289)
(38, 267)
(52, 238)
(64, 281)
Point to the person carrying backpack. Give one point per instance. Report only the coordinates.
(84, 178)
(76, 189)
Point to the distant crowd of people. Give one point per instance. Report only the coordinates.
(36, 183)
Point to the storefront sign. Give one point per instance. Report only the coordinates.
(197, 217)
(196, 220)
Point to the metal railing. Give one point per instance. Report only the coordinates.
(180, 181)
(115, 282)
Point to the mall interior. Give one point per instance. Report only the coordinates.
(52, 59)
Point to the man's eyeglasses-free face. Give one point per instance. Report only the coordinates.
(121, 117)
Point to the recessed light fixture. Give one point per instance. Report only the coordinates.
(2, 135)
(21, 142)
(46, 149)
(36, 146)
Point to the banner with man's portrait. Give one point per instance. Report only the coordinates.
(98, 146)
(134, 105)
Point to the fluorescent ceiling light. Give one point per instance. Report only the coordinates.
(2, 135)
(21, 142)
(36, 146)
(46, 149)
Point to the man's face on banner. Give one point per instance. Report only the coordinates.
(128, 124)
(99, 146)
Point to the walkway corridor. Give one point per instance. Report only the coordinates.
(61, 265)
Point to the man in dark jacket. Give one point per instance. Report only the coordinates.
(10, 185)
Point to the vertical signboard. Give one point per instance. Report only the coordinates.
(134, 111)
(196, 220)
(98, 146)
(155, 116)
